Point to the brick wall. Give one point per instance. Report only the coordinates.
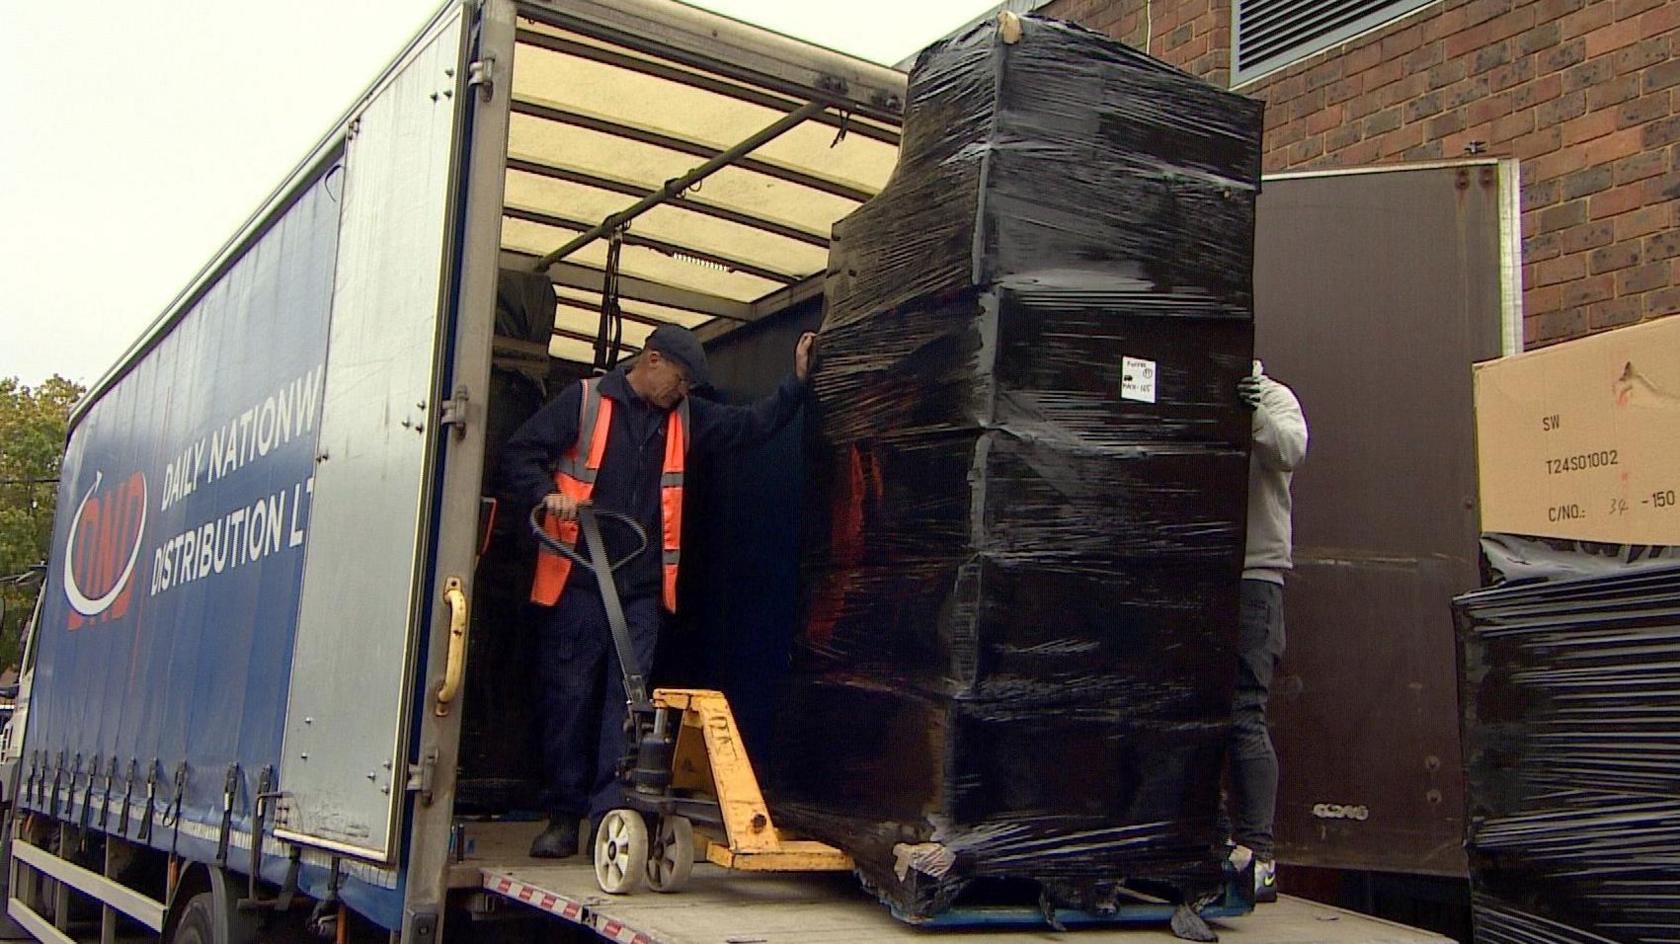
(1194, 35)
(1586, 93)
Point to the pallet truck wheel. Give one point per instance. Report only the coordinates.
(672, 858)
(621, 852)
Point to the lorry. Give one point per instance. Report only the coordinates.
(250, 672)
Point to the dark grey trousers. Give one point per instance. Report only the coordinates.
(1252, 761)
(582, 702)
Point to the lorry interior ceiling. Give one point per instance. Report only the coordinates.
(706, 195)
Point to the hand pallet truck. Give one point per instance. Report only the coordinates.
(685, 766)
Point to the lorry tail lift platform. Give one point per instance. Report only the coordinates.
(720, 906)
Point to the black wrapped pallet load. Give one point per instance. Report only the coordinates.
(1027, 483)
(1570, 686)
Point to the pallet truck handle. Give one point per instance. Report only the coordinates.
(553, 545)
(635, 684)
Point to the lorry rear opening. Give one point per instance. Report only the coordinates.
(643, 185)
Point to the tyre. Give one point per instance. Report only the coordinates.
(671, 860)
(198, 921)
(621, 852)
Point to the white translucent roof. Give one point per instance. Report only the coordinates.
(608, 108)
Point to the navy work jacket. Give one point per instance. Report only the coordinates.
(629, 477)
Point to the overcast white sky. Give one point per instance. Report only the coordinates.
(136, 137)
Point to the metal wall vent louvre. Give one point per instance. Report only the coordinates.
(1269, 34)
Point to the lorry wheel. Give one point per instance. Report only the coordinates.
(621, 852)
(672, 858)
(198, 921)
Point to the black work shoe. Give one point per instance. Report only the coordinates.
(558, 841)
(1265, 880)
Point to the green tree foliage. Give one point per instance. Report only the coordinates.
(32, 428)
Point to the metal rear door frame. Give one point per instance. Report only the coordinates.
(342, 769)
(436, 743)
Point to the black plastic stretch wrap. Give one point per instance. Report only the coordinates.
(1027, 482)
(1570, 689)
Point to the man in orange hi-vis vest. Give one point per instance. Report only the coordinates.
(621, 442)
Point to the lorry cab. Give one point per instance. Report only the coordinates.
(17, 713)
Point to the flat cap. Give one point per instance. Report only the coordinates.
(680, 344)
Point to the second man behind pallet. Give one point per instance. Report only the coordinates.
(621, 442)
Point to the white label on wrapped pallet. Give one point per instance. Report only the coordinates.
(1137, 379)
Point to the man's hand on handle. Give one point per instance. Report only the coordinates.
(802, 355)
(561, 506)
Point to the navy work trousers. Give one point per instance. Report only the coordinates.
(582, 699)
(1253, 761)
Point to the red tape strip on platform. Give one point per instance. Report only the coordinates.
(563, 907)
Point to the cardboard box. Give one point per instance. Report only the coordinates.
(1582, 440)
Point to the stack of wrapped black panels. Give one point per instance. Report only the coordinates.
(1570, 686)
(1027, 483)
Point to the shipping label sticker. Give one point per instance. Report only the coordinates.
(1137, 379)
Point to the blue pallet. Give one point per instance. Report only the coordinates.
(1231, 903)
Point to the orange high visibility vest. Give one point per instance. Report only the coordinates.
(575, 477)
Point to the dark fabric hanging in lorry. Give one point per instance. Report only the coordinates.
(499, 751)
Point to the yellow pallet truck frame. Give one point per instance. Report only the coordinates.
(685, 765)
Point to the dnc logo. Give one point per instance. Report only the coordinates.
(103, 547)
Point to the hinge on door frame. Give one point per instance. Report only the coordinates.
(453, 412)
(421, 776)
(481, 73)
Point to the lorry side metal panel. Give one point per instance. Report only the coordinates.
(1374, 293)
(351, 666)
